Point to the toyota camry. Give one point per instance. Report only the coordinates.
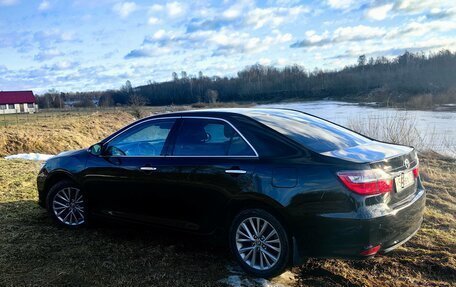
(281, 185)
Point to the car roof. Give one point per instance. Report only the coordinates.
(228, 111)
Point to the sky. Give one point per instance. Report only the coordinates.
(85, 45)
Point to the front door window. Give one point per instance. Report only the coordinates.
(147, 139)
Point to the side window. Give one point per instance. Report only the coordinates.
(146, 139)
(206, 137)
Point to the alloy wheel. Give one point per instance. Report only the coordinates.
(68, 206)
(258, 243)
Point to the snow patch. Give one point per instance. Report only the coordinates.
(239, 279)
(30, 156)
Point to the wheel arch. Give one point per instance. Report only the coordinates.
(258, 202)
(54, 178)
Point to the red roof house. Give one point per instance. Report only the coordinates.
(17, 102)
(17, 97)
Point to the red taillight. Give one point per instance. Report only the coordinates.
(371, 251)
(367, 182)
(416, 172)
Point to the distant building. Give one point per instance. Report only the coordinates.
(13, 102)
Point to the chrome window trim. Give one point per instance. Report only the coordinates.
(196, 156)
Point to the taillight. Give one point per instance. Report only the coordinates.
(371, 251)
(367, 182)
(416, 172)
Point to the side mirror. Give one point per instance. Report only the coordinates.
(95, 149)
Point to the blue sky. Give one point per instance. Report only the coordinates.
(80, 45)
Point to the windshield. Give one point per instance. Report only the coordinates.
(313, 133)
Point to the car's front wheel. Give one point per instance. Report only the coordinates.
(259, 243)
(66, 204)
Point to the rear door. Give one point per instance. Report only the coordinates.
(209, 162)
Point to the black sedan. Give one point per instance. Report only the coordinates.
(281, 184)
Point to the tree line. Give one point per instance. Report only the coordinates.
(410, 78)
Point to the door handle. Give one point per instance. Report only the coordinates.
(148, 168)
(235, 171)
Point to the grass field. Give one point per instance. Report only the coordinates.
(34, 252)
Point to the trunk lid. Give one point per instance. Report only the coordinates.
(370, 152)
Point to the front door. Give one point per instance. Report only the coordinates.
(125, 181)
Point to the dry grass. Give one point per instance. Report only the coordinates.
(401, 128)
(34, 252)
(62, 131)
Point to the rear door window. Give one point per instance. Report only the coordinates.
(209, 137)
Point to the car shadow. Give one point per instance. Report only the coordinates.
(35, 251)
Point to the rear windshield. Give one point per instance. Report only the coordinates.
(313, 133)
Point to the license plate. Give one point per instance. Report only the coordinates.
(404, 180)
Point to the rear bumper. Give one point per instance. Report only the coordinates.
(347, 235)
(399, 243)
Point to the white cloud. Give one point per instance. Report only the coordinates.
(418, 29)
(380, 12)
(340, 4)
(341, 34)
(156, 8)
(264, 61)
(273, 16)
(313, 37)
(359, 32)
(394, 48)
(218, 43)
(175, 9)
(48, 38)
(160, 34)
(8, 2)
(62, 65)
(423, 5)
(124, 9)
(48, 54)
(236, 10)
(44, 5)
(228, 42)
(153, 21)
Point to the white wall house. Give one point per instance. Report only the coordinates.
(13, 102)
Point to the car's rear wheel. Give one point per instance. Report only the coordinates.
(259, 243)
(67, 205)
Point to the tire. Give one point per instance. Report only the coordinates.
(246, 244)
(66, 205)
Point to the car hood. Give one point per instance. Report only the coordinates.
(71, 153)
(369, 152)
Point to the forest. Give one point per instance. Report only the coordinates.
(416, 80)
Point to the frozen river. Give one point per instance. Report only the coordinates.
(439, 127)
